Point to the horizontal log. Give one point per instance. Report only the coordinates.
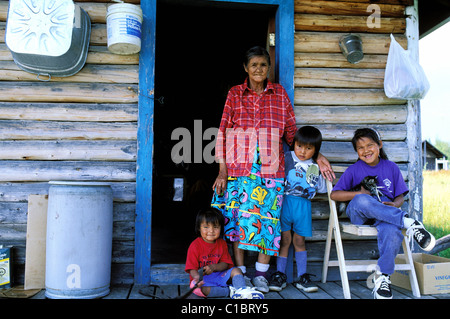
(350, 114)
(52, 130)
(343, 151)
(393, 2)
(341, 23)
(68, 92)
(19, 192)
(97, 73)
(337, 60)
(339, 78)
(17, 232)
(44, 171)
(16, 213)
(99, 34)
(69, 112)
(101, 55)
(328, 42)
(96, 55)
(340, 132)
(68, 150)
(347, 8)
(316, 96)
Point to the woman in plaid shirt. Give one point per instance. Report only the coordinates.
(250, 184)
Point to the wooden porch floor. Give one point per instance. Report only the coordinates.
(328, 290)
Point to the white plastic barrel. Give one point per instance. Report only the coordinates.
(124, 22)
(79, 240)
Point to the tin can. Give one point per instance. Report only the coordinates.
(5, 267)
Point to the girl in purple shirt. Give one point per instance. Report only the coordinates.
(386, 215)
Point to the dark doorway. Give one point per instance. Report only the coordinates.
(199, 55)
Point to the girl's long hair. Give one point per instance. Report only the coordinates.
(369, 133)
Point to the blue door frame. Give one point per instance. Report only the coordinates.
(284, 67)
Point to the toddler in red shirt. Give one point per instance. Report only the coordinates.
(210, 252)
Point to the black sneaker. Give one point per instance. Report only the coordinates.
(382, 289)
(304, 283)
(277, 281)
(422, 236)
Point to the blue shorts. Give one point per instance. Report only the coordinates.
(296, 215)
(216, 279)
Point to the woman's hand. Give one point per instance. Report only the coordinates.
(325, 167)
(220, 184)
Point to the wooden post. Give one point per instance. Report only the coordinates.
(145, 145)
(414, 136)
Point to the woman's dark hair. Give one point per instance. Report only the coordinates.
(309, 135)
(209, 215)
(256, 51)
(369, 133)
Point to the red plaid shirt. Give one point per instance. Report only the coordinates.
(249, 118)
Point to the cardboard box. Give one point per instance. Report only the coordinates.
(433, 274)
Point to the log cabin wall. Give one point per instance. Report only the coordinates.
(338, 97)
(84, 127)
(79, 128)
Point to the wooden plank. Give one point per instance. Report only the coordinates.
(339, 151)
(328, 42)
(36, 240)
(414, 129)
(325, 96)
(101, 55)
(119, 291)
(341, 23)
(339, 78)
(50, 130)
(290, 292)
(96, 55)
(347, 8)
(69, 112)
(99, 34)
(169, 274)
(68, 150)
(43, 171)
(350, 114)
(337, 60)
(13, 193)
(339, 132)
(68, 92)
(89, 73)
(144, 175)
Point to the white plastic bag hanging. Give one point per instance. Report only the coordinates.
(404, 78)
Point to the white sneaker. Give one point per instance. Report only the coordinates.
(261, 283)
(245, 293)
(382, 289)
(422, 236)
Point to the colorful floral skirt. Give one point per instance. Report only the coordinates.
(251, 206)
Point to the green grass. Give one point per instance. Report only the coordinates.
(436, 204)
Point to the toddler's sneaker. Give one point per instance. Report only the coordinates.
(245, 293)
(422, 236)
(382, 289)
(277, 281)
(304, 283)
(260, 283)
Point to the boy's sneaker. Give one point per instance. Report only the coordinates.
(422, 236)
(277, 281)
(260, 283)
(245, 293)
(304, 283)
(382, 289)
